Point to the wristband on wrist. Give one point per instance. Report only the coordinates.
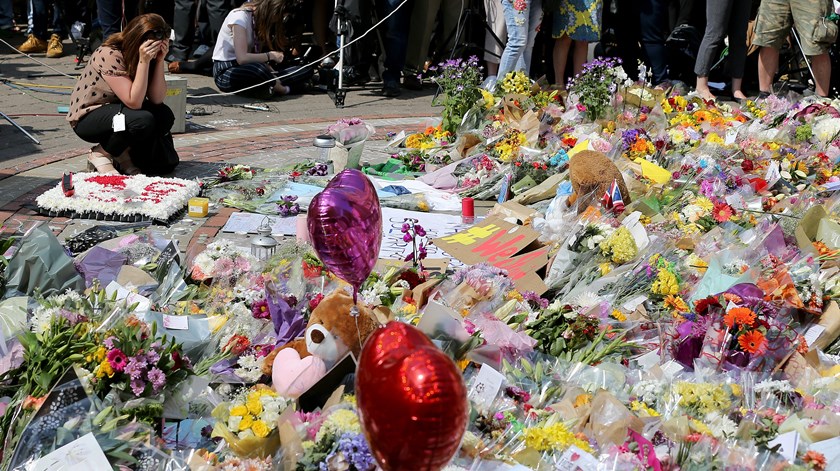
(268, 57)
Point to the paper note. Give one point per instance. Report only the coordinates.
(249, 222)
(575, 459)
(176, 322)
(487, 384)
(813, 333)
(143, 303)
(631, 305)
(671, 368)
(788, 444)
(772, 175)
(649, 359)
(731, 135)
(82, 454)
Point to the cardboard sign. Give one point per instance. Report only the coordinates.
(504, 245)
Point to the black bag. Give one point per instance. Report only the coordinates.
(163, 157)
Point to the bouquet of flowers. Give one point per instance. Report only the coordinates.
(139, 364)
(335, 441)
(222, 261)
(248, 422)
(595, 86)
(459, 80)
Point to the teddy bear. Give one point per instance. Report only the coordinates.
(332, 332)
(592, 173)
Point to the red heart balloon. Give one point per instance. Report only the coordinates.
(411, 398)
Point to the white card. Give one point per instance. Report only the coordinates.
(176, 322)
(813, 333)
(789, 443)
(631, 305)
(671, 368)
(575, 459)
(487, 384)
(119, 122)
(731, 135)
(772, 175)
(143, 303)
(649, 360)
(82, 454)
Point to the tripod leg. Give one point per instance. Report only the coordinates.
(10, 120)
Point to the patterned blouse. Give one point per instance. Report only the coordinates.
(92, 91)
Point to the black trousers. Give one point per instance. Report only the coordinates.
(143, 129)
(111, 13)
(184, 22)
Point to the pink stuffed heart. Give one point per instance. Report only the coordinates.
(292, 376)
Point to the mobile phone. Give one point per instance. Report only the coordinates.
(67, 185)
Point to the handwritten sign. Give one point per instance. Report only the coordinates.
(436, 225)
(82, 454)
(504, 245)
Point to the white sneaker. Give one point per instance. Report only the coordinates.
(200, 51)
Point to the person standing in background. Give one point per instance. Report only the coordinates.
(396, 43)
(816, 32)
(723, 18)
(114, 14)
(577, 21)
(493, 49)
(423, 17)
(522, 18)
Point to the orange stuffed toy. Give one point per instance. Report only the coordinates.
(592, 173)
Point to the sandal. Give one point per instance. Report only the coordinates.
(101, 163)
(125, 165)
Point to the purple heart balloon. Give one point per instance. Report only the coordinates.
(345, 227)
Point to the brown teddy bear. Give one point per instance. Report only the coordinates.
(331, 332)
(592, 173)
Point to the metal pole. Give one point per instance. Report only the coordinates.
(30, 136)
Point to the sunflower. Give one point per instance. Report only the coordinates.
(740, 316)
(752, 342)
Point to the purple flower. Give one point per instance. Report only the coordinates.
(109, 342)
(418, 229)
(138, 386)
(157, 378)
(152, 357)
(135, 368)
(405, 228)
(260, 309)
(407, 237)
(356, 451)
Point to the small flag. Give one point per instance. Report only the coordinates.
(612, 198)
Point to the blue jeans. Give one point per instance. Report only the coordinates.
(396, 38)
(521, 30)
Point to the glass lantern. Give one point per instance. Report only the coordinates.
(326, 143)
(263, 246)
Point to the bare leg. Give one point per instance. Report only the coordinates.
(581, 52)
(280, 89)
(703, 88)
(768, 64)
(736, 89)
(561, 54)
(821, 66)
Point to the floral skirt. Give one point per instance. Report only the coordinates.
(579, 19)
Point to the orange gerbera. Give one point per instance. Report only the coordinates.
(739, 316)
(752, 342)
(676, 303)
(731, 297)
(722, 212)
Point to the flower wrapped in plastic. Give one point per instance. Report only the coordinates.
(248, 422)
(350, 135)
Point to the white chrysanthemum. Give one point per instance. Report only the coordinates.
(770, 386)
(586, 300)
(250, 368)
(41, 319)
(692, 212)
(720, 425)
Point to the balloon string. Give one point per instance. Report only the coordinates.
(354, 311)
